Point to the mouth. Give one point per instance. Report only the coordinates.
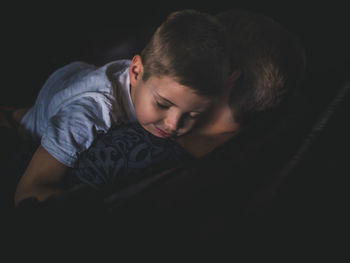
(163, 133)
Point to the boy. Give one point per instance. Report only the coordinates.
(166, 88)
(267, 65)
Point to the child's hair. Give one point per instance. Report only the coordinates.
(271, 61)
(190, 46)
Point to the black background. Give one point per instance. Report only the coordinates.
(38, 38)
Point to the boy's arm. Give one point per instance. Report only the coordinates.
(42, 177)
(71, 129)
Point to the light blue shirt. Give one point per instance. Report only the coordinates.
(74, 105)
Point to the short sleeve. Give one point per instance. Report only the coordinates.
(73, 128)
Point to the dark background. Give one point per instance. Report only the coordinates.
(37, 39)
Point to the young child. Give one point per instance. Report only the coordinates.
(267, 68)
(268, 65)
(165, 88)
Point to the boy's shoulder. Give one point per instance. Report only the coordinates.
(101, 75)
(117, 65)
(112, 67)
(115, 68)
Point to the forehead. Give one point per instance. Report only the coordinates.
(168, 89)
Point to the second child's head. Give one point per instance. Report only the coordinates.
(267, 69)
(179, 73)
(267, 60)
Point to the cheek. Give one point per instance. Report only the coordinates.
(143, 116)
(146, 114)
(142, 107)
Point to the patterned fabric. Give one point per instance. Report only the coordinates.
(123, 153)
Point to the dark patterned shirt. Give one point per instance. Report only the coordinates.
(123, 153)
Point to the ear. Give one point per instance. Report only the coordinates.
(135, 70)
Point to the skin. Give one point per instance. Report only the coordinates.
(164, 112)
(216, 126)
(41, 178)
(164, 107)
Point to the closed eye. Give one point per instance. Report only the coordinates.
(194, 115)
(162, 106)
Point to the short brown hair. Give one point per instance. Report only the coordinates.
(271, 60)
(191, 47)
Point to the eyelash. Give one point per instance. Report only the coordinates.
(162, 106)
(193, 117)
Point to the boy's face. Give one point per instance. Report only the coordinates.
(164, 107)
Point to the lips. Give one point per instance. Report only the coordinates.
(163, 133)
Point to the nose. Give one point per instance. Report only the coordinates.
(172, 121)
